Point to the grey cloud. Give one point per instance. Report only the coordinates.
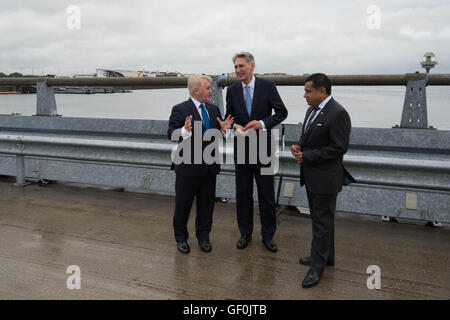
(201, 36)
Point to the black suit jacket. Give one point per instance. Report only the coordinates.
(176, 121)
(324, 145)
(265, 99)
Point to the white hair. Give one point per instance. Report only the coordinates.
(195, 81)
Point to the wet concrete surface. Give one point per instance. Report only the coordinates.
(123, 243)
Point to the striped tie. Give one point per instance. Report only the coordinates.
(311, 117)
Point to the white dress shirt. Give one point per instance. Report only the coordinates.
(252, 91)
(251, 85)
(186, 134)
(321, 105)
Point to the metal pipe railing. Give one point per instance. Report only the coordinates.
(383, 171)
(181, 82)
(360, 80)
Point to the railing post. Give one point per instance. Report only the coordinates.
(414, 113)
(45, 102)
(217, 96)
(20, 171)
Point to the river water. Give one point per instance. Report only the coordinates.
(374, 106)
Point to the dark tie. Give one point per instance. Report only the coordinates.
(311, 117)
(205, 116)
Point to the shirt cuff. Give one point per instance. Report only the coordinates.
(262, 124)
(227, 134)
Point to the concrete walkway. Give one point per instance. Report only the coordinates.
(123, 244)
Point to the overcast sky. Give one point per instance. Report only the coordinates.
(197, 36)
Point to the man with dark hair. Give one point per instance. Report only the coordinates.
(319, 80)
(251, 101)
(323, 143)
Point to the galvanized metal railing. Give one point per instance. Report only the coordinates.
(136, 154)
(400, 172)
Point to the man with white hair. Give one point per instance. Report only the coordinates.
(195, 180)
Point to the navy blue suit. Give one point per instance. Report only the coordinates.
(265, 100)
(193, 180)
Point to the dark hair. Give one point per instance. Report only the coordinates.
(320, 80)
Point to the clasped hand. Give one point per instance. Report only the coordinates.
(295, 150)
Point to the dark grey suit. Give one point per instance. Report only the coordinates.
(324, 145)
(265, 100)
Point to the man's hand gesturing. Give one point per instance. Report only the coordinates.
(226, 124)
(188, 123)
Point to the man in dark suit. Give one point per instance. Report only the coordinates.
(323, 143)
(195, 179)
(251, 101)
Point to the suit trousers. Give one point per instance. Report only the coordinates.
(322, 208)
(203, 189)
(244, 200)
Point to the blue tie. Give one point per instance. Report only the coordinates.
(248, 100)
(205, 116)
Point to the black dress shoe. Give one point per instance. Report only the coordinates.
(205, 245)
(312, 278)
(307, 261)
(270, 245)
(183, 247)
(243, 242)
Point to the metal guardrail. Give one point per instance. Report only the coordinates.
(157, 155)
(386, 171)
(390, 165)
(425, 174)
